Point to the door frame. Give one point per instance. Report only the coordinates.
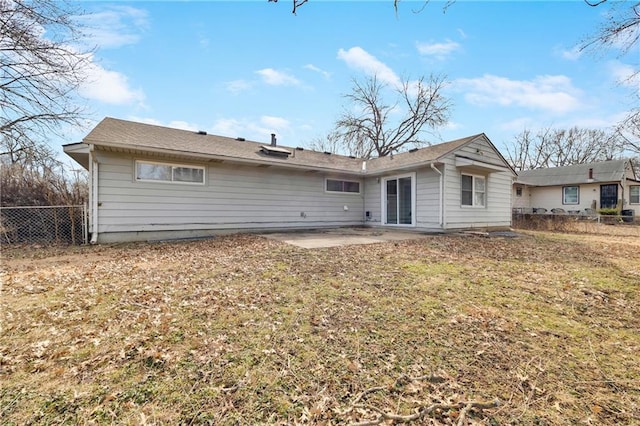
(383, 199)
(617, 193)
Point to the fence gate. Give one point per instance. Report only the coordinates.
(44, 224)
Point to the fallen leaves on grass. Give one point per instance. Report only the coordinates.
(440, 408)
(244, 330)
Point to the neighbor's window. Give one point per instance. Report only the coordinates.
(570, 195)
(473, 190)
(634, 194)
(518, 191)
(333, 185)
(163, 172)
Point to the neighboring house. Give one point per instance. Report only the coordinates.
(150, 182)
(604, 184)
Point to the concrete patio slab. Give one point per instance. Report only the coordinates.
(323, 238)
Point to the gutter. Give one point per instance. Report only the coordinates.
(441, 201)
(93, 172)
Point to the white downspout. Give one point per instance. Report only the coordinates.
(441, 207)
(93, 165)
(364, 193)
(623, 182)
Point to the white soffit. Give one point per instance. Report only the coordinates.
(481, 166)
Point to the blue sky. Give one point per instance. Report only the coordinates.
(251, 68)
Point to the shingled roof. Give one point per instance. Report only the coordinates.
(416, 157)
(115, 133)
(123, 135)
(604, 171)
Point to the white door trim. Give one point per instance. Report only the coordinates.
(383, 199)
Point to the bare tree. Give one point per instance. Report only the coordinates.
(332, 142)
(559, 147)
(298, 3)
(368, 126)
(40, 68)
(629, 133)
(31, 175)
(621, 31)
(529, 151)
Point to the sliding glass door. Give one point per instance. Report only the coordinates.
(399, 200)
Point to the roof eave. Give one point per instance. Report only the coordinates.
(79, 152)
(223, 158)
(406, 167)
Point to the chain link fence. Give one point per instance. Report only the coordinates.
(627, 225)
(44, 224)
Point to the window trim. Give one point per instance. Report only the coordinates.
(326, 182)
(630, 195)
(173, 167)
(473, 204)
(564, 197)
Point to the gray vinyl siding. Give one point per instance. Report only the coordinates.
(236, 197)
(427, 199)
(372, 201)
(233, 197)
(497, 210)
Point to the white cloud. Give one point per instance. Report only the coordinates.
(237, 86)
(115, 26)
(624, 74)
(252, 129)
(598, 121)
(175, 124)
(276, 123)
(359, 59)
(571, 54)
(110, 87)
(517, 125)
(550, 93)
(438, 50)
(325, 74)
(277, 78)
(453, 125)
(204, 41)
(228, 127)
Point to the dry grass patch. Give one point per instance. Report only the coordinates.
(244, 330)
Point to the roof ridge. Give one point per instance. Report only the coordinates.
(620, 160)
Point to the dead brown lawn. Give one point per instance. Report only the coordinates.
(245, 330)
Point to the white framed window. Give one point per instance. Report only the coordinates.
(518, 191)
(570, 195)
(634, 194)
(343, 186)
(148, 171)
(473, 190)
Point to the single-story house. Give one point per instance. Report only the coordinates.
(151, 182)
(591, 186)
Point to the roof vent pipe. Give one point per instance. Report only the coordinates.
(273, 139)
